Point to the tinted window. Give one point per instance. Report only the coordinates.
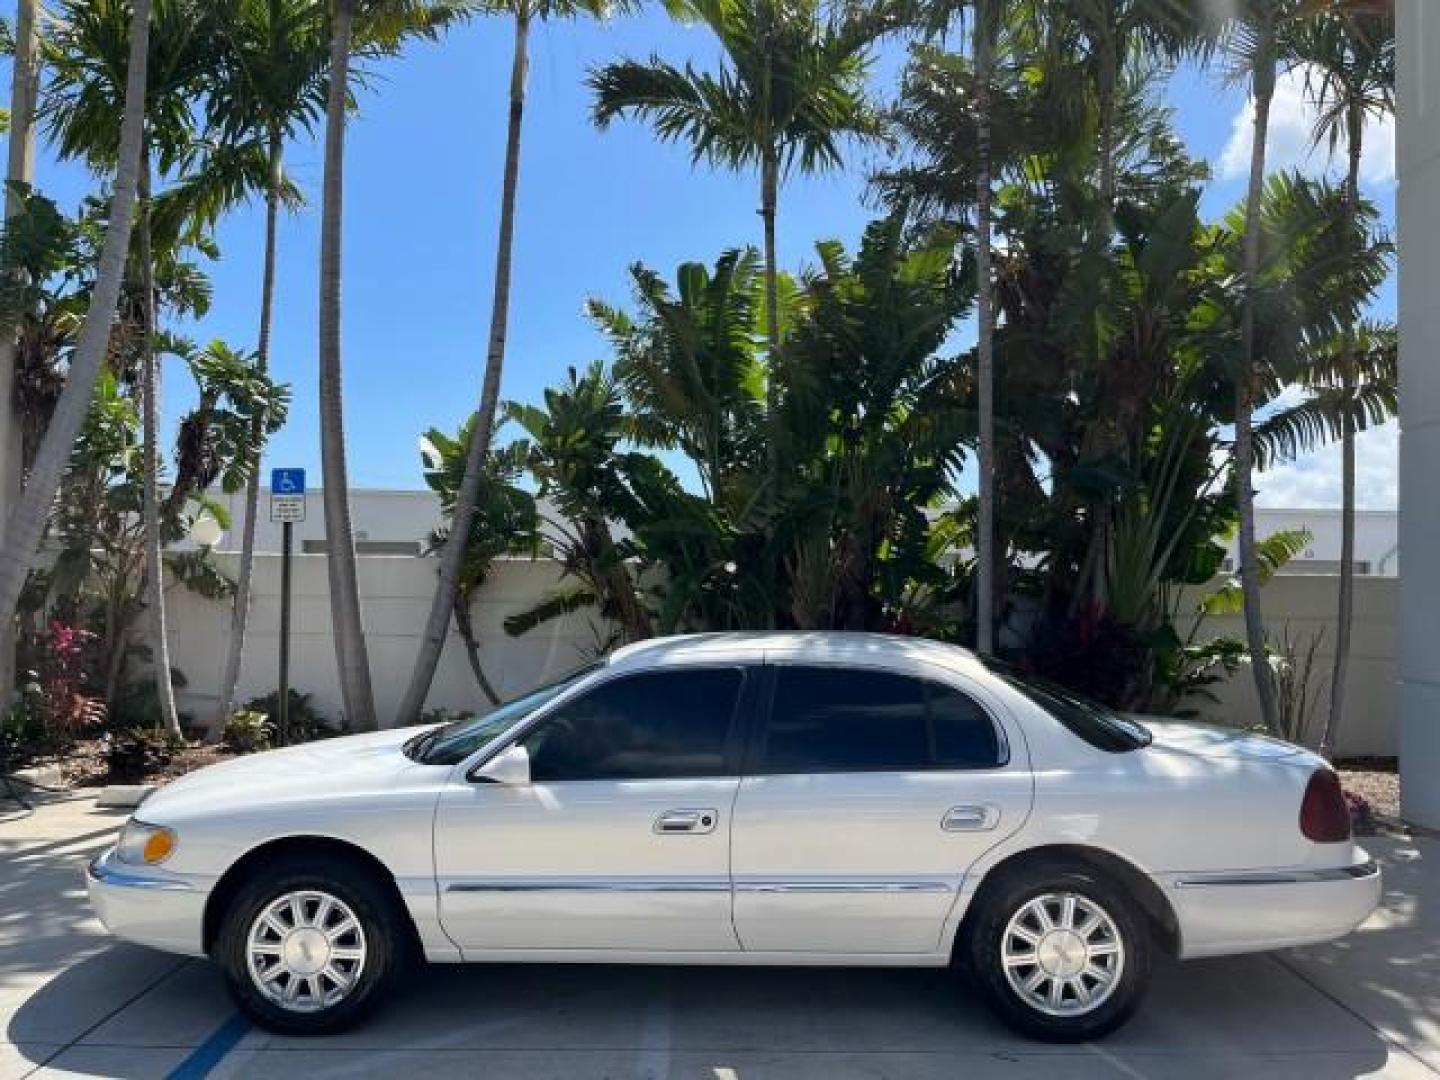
(651, 726)
(1099, 725)
(836, 720)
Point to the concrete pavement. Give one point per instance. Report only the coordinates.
(75, 1003)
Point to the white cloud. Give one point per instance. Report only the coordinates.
(1314, 480)
(1292, 124)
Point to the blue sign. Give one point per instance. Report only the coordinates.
(287, 481)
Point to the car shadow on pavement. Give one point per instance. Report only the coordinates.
(130, 1012)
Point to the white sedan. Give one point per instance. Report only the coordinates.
(749, 799)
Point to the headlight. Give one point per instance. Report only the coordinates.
(142, 844)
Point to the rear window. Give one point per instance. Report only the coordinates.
(826, 719)
(1099, 725)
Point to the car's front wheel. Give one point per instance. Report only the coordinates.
(1060, 952)
(309, 946)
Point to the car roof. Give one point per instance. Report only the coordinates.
(819, 646)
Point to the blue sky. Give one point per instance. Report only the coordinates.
(422, 193)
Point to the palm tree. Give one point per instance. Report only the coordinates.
(19, 174)
(27, 519)
(351, 658)
(570, 448)
(452, 555)
(1256, 42)
(791, 87)
(271, 88)
(505, 522)
(1352, 81)
(83, 105)
(385, 23)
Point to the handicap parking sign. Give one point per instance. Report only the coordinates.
(287, 495)
(287, 481)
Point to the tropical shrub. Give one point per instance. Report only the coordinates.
(246, 732)
(134, 755)
(303, 721)
(66, 710)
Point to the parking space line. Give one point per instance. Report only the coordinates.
(212, 1051)
(1116, 1063)
(655, 1036)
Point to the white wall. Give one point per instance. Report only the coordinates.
(395, 598)
(1306, 604)
(396, 593)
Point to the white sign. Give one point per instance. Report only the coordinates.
(287, 508)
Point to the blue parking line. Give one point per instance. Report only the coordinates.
(212, 1051)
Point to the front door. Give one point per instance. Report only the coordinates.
(621, 840)
(870, 795)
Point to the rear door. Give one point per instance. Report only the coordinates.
(868, 794)
(622, 838)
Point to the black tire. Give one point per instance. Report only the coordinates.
(1003, 899)
(386, 944)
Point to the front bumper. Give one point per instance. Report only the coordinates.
(147, 905)
(1254, 910)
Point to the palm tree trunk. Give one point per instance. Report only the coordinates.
(150, 504)
(432, 641)
(240, 611)
(1109, 80)
(769, 194)
(466, 629)
(985, 346)
(351, 660)
(1263, 91)
(1345, 615)
(27, 518)
(19, 173)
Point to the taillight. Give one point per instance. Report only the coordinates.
(1324, 814)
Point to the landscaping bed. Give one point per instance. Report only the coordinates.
(1374, 784)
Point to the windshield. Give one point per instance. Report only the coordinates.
(453, 743)
(1099, 725)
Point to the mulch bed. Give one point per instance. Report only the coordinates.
(85, 764)
(1377, 782)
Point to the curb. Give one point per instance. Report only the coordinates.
(123, 796)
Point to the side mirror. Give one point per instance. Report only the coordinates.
(510, 767)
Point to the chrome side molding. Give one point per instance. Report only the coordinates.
(695, 885)
(617, 885)
(842, 887)
(1369, 868)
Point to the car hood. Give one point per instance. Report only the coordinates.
(349, 764)
(1218, 741)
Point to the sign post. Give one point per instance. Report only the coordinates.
(287, 506)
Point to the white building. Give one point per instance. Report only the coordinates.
(395, 522)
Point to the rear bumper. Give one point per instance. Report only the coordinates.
(147, 905)
(1252, 910)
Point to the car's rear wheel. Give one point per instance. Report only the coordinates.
(309, 947)
(1059, 952)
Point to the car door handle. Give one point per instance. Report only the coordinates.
(980, 818)
(686, 821)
